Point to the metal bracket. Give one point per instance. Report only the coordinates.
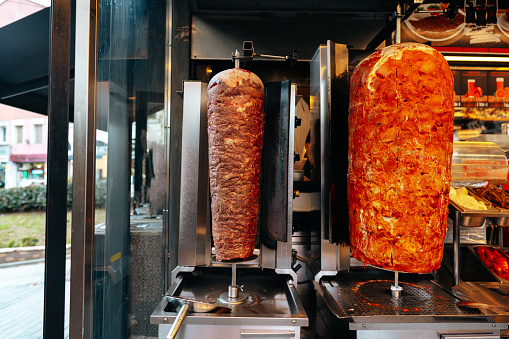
(407, 10)
(320, 274)
(249, 55)
(180, 269)
(290, 272)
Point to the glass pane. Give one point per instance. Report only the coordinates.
(23, 171)
(130, 168)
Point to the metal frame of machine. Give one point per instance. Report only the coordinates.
(285, 315)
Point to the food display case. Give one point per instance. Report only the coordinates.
(480, 166)
(478, 161)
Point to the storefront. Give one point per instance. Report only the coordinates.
(31, 169)
(139, 156)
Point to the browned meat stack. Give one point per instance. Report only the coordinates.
(235, 130)
(400, 152)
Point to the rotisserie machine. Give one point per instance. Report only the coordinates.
(257, 297)
(366, 302)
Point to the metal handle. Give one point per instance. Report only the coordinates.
(178, 321)
(264, 334)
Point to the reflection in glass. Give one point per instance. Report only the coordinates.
(130, 168)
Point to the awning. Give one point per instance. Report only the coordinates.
(24, 60)
(28, 157)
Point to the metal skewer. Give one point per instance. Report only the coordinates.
(233, 289)
(233, 296)
(396, 289)
(237, 61)
(398, 25)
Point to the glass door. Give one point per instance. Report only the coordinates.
(124, 114)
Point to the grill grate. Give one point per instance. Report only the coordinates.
(367, 293)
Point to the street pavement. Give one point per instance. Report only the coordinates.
(22, 299)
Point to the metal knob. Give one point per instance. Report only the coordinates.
(396, 291)
(233, 292)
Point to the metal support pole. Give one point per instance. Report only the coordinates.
(237, 61)
(233, 289)
(456, 246)
(396, 289)
(500, 236)
(234, 274)
(398, 24)
(83, 195)
(56, 197)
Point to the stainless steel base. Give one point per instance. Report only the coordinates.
(224, 298)
(272, 308)
(360, 305)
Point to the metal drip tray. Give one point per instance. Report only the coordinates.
(375, 297)
(269, 298)
(360, 303)
(366, 292)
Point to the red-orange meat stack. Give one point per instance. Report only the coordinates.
(400, 151)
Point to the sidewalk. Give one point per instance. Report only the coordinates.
(22, 299)
(20, 254)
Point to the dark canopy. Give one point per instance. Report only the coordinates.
(24, 60)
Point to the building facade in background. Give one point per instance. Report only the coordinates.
(23, 134)
(23, 147)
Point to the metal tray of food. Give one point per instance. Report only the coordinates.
(499, 199)
(494, 259)
(475, 218)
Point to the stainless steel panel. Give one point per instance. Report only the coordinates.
(318, 96)
(83, 219)
(177, 69)
(167, 256)
(329, 62)
(423, 334)
(274, 183)
(232, 331)
(396, 326)
(469, 336)
(325, 146)
(284, 249)
(268, 257)
(194, 206)
(420, 334)
(217, 36)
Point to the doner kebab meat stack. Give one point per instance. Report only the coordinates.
(400, 151)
